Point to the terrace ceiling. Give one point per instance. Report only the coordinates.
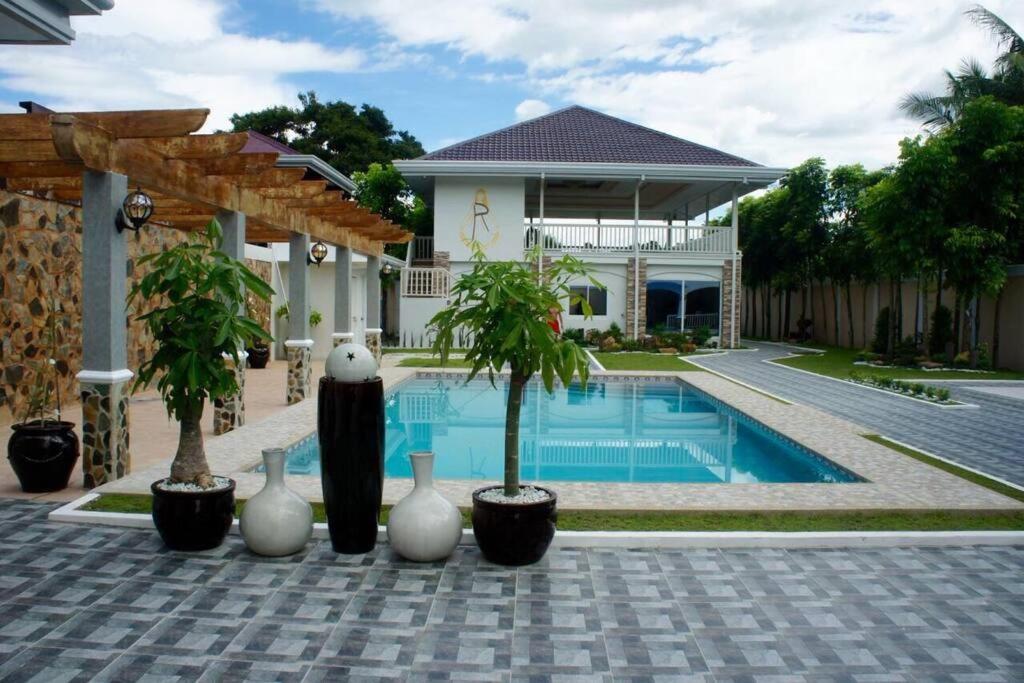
(190, 177)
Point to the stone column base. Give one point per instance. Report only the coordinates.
(729, 321)
(373, 342)
(300, 353)
(105, 455)
(229, 413)
(339, 338)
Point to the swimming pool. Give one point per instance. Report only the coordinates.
(612, 431)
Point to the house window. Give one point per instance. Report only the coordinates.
(596, 296)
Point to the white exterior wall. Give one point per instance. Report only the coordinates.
(613, 277)
(683, 271)
(453, 216)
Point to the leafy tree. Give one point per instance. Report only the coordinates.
(347, 138)
(972, 80)
(504, 308)
(804, 229)
(975, 268)
(202, 292)
(383, 190)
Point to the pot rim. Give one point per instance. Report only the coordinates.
(155, 489)
(552, 499)
(39, 426)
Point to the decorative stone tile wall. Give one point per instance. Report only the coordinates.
(299, 372)
(373, 343)
(633, 331)
(730, 315)
(229, 413)
(338, 341)
(41, 260)
(259, 310)
(442, 259)
(104, 432)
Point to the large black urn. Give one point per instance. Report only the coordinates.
(350, 428)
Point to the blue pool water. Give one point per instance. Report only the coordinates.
(612, 431)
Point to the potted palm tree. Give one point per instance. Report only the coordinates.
(504, 308)
(44, 448)
(197, 323)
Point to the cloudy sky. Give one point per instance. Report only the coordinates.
(773, 81)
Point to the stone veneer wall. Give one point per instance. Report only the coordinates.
(630, 285)
(40, 259)
(729, 318)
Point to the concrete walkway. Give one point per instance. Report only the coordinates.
(990, 438)
(94, 603)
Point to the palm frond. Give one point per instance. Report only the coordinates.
(934, 111)
(1007, 38)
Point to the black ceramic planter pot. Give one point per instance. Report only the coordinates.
(350, 428)
(43, 455)
(514, 534)
(193, 520)
(258, 357)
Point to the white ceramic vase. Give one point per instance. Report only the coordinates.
(424, 526)
(276, 521)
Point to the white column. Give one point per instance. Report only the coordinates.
(636, 260)
(735, 251)
(299, 345)
(543, 232)
(229, 411)
(342, 297)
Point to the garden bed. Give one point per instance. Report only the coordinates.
(915, 390)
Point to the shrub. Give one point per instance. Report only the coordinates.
(688, 347)
(917, 388)
(609, 344)
(885, 382)
(962, 360)
(575, 335)
(615, 332)
(984, 359)
(593, 337)
(856, 376)
(929, 392)
(906, 353)
(940, 333)
(881, 340)
(632, 345)
(701, 335)
(942, 394)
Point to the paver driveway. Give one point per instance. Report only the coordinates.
(990, 438)
(82, 603)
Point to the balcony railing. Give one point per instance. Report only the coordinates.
(422, 248)
(426, 282)
(591, 237)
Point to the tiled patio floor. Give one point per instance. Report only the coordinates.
(80, 603)
(989, 438)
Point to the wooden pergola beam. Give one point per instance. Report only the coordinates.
(306, 188)
(275, 177)
(239, 164)
(122, 124)
(198, 146)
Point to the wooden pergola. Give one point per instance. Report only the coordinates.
(189, 176)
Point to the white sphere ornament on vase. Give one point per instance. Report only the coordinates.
(276, 521)
(351, 363)
(424, 526)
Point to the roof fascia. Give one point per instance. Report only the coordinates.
(651, 172)
(315, 163)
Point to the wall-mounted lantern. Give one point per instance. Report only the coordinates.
(135, 210)
(386, 269)
(317, 253)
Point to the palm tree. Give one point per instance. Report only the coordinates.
(972, 80)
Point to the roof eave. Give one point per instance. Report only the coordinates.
(315, 163)
(668, 172)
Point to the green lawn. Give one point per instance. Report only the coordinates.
(639, 360)
(432, 362)
(838, 362)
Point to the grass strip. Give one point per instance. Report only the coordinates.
(433, 362)
(640, 360)
(973, 477)
(712, 520)
(838, 362)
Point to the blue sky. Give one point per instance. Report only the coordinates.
(776, 82)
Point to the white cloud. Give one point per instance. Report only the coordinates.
(530, 109)
(770, 80)
(172, 53)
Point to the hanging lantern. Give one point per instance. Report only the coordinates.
(318, 253)
(135, 210)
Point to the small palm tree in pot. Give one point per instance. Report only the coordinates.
(504, 308)
(198, 323)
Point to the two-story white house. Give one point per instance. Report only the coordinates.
(631, 201)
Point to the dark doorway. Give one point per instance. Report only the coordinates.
(664, 304)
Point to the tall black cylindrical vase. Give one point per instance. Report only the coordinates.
(350, 426)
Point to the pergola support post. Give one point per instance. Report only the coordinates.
(342, 298)
(103, 381)
(373, 328)
(299, 345)
(229, 412)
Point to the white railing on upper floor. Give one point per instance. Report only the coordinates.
(426, 282)
(422, 247)
(591, 237)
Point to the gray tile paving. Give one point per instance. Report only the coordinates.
(893, 614)
(990, 438)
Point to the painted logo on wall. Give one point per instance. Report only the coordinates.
(475, 228)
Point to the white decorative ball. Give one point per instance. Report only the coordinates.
(351, 363)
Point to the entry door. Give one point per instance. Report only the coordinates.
(357, 306)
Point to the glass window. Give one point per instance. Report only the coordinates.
(597, 297)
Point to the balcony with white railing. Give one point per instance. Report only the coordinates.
(579, 238)
(426, 282)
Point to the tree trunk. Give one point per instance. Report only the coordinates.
(995, 331)
(835, 310)
(752, 325)
(957, 324)
(824, 313)
(975, 329)
(789, 305)
(890, 346)
(782, 307)
(512, 411)
(803, 301)
(899, 308)
(938, 288)
(190, 464)
(767, 313)
(849, 315)
(864, 313)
